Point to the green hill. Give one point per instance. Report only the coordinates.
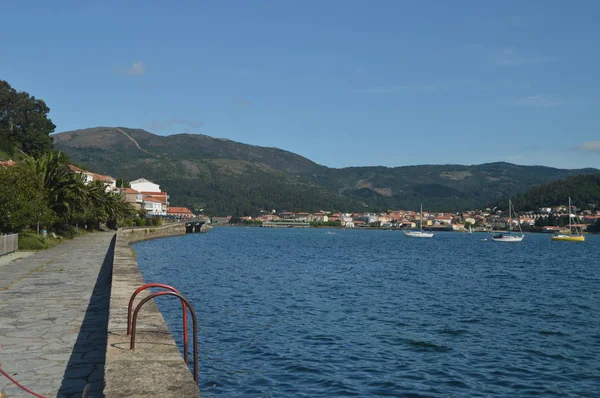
(584, 191)
(224, 176)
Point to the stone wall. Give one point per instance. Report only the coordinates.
(137, 234)
(155, 368)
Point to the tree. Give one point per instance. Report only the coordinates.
(23, 200)
(65, 190)
(70, 199)
(24, 123)
(594, 227)
(121, 183)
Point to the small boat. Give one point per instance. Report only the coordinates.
(509, 237)
(570, 237)
(420, 233)
(470, 230)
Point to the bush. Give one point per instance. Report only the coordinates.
(31, 242)
(70, 232)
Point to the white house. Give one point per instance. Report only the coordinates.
(109, 182)
(155, 207)
(144, 185)
(318, 217)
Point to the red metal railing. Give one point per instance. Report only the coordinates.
(185, 324)
(185, 303)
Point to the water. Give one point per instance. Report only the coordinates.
(334, 313)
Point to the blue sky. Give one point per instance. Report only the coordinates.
(341, 82)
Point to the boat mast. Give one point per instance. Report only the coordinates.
(509, 217)
(421, 219)
(570, 228)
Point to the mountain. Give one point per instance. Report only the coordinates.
(224, 176)
(584, 191)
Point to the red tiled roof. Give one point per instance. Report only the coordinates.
(153, 200)
(78, 170)
(128, 190)
(95, 176)
(100, 177)
(182, 210)
(154, 193)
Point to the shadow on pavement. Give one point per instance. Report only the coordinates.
(86, 364)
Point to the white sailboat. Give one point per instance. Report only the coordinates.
(420, 233)
(470, 230)
(509, 237)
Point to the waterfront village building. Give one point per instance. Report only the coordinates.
(133, 197)
(287, 215)
(147, 195)
(301, 216)
(154, 207)
(151, 198)
(109, 182)
(144, 185)
(318, 217)
(180, 212)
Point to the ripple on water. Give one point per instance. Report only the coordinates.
(303, 313)
(426, 346)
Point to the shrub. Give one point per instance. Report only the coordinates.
(70, 232)
(31, 242)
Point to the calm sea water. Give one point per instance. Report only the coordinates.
(334, 313)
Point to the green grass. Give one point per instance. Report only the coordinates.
(29, 241)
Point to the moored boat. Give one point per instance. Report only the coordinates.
(570, 237)
(420, 233)
(509, 237)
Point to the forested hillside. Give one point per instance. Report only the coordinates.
(584, 191)
(227, 177)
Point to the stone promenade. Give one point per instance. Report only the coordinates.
(53, 318)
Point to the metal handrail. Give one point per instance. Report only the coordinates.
(185, 324)
(194, 326)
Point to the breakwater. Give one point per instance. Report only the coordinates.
(155, 368)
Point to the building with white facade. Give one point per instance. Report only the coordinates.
(155, 207)
(144, 185)
(109, 182)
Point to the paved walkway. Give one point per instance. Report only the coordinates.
(53, 318)
(18, 256)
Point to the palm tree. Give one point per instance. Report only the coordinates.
(70, 198)
(64, 189)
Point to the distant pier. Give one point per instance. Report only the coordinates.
(195, 225)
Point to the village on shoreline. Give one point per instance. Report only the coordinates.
(143, 194)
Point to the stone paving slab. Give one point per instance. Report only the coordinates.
(53, 318)
(16, 256)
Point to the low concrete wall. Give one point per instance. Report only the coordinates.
(156, 367)
(9, 243)
(137, 234)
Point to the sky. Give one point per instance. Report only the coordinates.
(343, 83)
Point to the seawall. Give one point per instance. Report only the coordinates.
(137, 234)
(155, 368)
